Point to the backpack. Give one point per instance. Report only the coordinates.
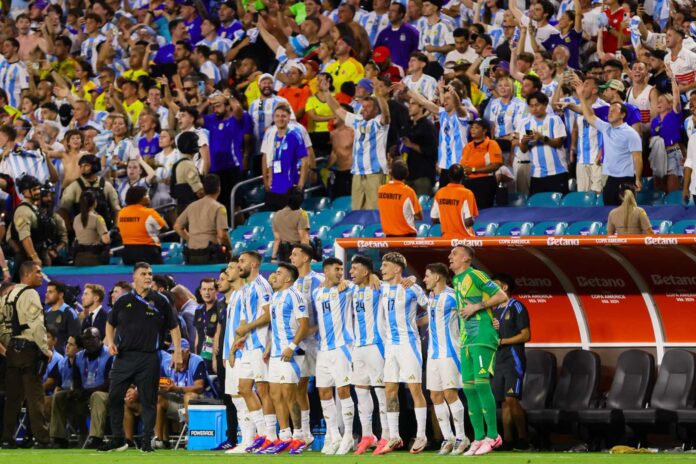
(181, 192)
(9, 321)
(103, 205)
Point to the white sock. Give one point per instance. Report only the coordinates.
(330, 415)
(258, 420)
(297, 434)
(285, 434)
(421, 419)
(393, 421)
(442, 413)
(306, 427)
(348, 414)
(271, 425)
(365, 408)
(457, 409)
(242, 417)
(382, 401)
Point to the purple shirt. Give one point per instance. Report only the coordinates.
(194, 29)
(227, 32)
(401, 43)
(668, 128)
(288, 151)
(225, 136)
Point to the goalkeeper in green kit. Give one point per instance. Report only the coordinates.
(476, 296)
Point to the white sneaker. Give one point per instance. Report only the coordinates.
(447, 447)
(347, 445)
(333, 446)
(327, 443)
(157, 444)
(309, 439)
(460, 445)
(239, 449)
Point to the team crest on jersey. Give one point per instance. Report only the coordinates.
(213, 318)
(507, 316)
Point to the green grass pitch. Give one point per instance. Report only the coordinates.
(207, 457)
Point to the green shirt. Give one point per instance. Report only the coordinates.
(474, 286)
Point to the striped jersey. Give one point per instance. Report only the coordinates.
(426, 86)
(307, 285)
(549, 89)
(684, 67)
(369, 144)
(368, 321)
(255, 295)
(374, 23)
(234, 314)
(452, 138)
(218, 44)
(438, 35)
(546, 160)
(400, 306)
(443, 325)
(503, 117)
(287, 307)
(589, 140)
(334, 317)
(124, 150)
(88, 50)
(13, 79)
(261, 111)
(22, 162)
(211, 71)
(125, 185)
(690, 126)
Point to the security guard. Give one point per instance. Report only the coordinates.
(203, 226)
(134, 333)
(26, 236)
(56, 232)
(27, 355)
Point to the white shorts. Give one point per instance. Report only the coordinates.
(232, 377)
(589, 177)
(333, 368)
(442, 374)
(309, 367)
(252, 366)
(368, 366)
(402, 364)
(285, 371)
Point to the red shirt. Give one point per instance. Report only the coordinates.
(611, 43)
(393, 73)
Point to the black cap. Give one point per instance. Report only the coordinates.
(229, 4)
(481, 123)
(187, 3)
(659, 54)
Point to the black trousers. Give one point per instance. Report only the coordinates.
(342, 184)
(484, 190)
(132, 254)
(610, 193)
(275, 201)
(141, 369)
(555, 183)
(228, 179)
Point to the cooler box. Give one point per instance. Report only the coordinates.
(207, 426)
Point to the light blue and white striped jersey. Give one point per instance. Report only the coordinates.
(659, 10)
(569, 116)
(22, 162)
(503, 117)
(234, 314)
(218, 44)
(369, 144)
(255, 295)
(307, 285)
(334, 317)
(496, 34)
(438, 35)
(400, 306)
(287, 307)
(359, 14)
(426, 86)
(88, 50)
(368, 321)
(563, 7)
(549, 89)
(452, 139)
(125, 150)
(13, 79)
(123, 186)
(211, 71)
(374, 23)
(261, 111)
(689, 126)
(589, 142)
(443, 325)
(546, 160)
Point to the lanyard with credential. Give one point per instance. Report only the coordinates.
(277, 153)
(147, 303)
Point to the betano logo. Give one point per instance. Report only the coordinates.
(533, 282)
(595, 282)
(466, 242)
(554, 241)
(672, 280)
(661, 241)
(371, 244)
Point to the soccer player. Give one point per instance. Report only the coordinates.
(476, 294)
(333, 303)
(403, 359)
(289, 326)
(368, 352)
(253, 334)
(443, 368)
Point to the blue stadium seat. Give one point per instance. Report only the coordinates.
(256, 195)
(372, 231)
(660, 226)
(648, 184)
(549, 228)
(584, 199)
(517, 200)
(435, 231)
(265, 249)
(686, 226)
(600, 200)
(675, 198)
(322, 232)
(343, 203)
(247, 233)
(239, 247)
(545, 199)
(345, 231)
(423, 229)
(485, 229)
(328, 217)
(262, 218)
(316, 203)
(174, 254)
(515, 229)
(425, 201)
(584, 228)
(650, 198)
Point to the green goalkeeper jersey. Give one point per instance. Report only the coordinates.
(474, 286)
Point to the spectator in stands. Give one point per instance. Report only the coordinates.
(417, 80)
(138, 174)
(95, 314)
(341, 159)
(454, 206)
(398, 205)
(399, 37)
(205, 320)
(420, 146)
(203, 226)
(140, 227)
(480, 159)
(120, 288)
(59, 316)
(690, 170)
(290, 226)
(628, 218)
(91, 234)
(614, 91)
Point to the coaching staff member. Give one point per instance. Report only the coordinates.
(510, 362)
(134, 333)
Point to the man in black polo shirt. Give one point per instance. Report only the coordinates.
(134, 333)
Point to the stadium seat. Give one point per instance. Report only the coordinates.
(584, 228)
(650, 198)
(435, 231)
(256, 195)
(549, 228)
(262, 218)
(648, 184)
(316, 203)
(633, 379)
(328, 217)
(422, 230)
(545, 199)
(174, 254)
(343, 203)
(265, 249)
(539, 380)
(345, 231)
(247, 233)
(584, 199)
(322, 232)
(517, 200)
(675, 198)
(425, 201)
(660, 227)
(600, 200)
(515, 229)
(372, 231)
(687, 226)
(572, 185)
(673, 391)
(485, 229)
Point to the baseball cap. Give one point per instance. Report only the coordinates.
(187, 3)
(380, 54)
(367, 85)
(184, 345)
(481, 123)
(296, 64)
(264, 76)
(614, 84)
(348, 41)
(503, 65)
(658, 54)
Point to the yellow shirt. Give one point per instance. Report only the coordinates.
(134, 74)
(320, 109)
(134, 110)
(252, 92)
(349, 70)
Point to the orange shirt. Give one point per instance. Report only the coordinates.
(398, 206)
(480, 156)
(140, 225)
(453, 204)
(297, 97)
